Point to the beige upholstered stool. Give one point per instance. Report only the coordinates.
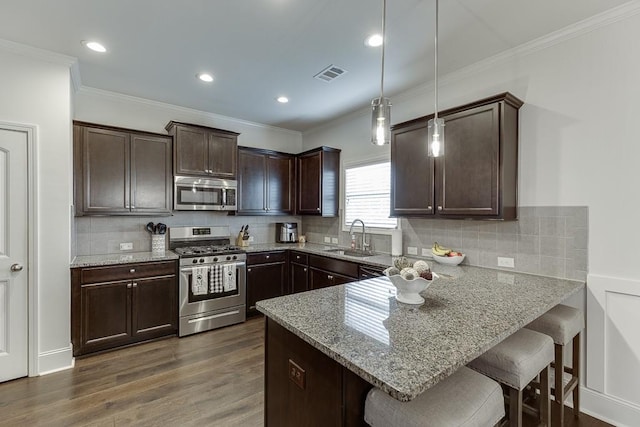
(515, 362)
(466, 398)
(563, 324)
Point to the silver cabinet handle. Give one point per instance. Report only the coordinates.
(439, 208)
(297, 256)
(16, 267)
(330, 277)
(267, 256)
(304, 269)
(248, 269)
(128, 285)
(135, 285)
(429, 207)
(133, 270)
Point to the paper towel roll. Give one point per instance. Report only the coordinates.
(396, 242)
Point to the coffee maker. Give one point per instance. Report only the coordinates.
(286, 232)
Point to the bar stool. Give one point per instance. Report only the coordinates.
(515, 362)
(464, 399)
(563, 324)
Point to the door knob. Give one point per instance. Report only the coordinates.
(16, 267)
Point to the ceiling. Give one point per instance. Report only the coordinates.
(260, 49)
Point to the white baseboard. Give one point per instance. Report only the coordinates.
(609, 409)
(55, 360)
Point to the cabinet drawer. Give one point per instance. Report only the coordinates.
(127, 271)
(266, 257)
(299, 258)
(345, 268)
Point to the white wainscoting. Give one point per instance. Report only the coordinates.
(613, 348)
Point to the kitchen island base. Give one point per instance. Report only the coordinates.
(306, 387)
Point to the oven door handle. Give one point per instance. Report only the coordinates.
(190, 269)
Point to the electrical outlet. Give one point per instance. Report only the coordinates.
(412, 250)
(505, 262)
(327, 239)
(426, 251)
(128, 246)
(334, 240)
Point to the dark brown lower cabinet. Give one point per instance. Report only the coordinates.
(325, 271)
(267, 274)
(304, 387)
(117, 305)
(299, 277)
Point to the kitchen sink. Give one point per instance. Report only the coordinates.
(350, 252)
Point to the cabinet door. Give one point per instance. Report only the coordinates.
(151, 177)
(467, 178)
(154, 307)
(299, 278)
(105, 312)
(251, 182)
(265, 281)
(323, 279)
(191, 151)
(105, 171)
(280, 184)
(310, 183)
(412, 172)
(222, 155)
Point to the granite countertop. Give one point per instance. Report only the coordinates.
(405, 349)
(128, 258)
(382, 260)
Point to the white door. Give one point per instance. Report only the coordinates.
(13, 253)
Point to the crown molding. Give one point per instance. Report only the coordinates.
(179, 109)
(37, 53)
(572, 31)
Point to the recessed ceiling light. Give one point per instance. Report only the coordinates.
(282, 99)
(205, 77)
(373, 41)
(95, 46)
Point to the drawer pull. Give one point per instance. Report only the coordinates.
(133, 270)
(267, 256)
(128, 285)
(135, 285)
(330, 277)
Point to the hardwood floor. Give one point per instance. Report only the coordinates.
(209, 379)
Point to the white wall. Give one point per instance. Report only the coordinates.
(110, 108)
(37, 92)
(579, 146)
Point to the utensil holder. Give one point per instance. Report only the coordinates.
(157, 243)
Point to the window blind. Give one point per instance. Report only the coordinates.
(367, 195)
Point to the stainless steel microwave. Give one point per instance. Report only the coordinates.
(204, 194)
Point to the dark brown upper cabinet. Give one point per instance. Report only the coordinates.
(203, 151)
(476, 178)
(120, 171)
(318, 182)
(266, 182)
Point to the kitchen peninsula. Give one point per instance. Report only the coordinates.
(327, 347)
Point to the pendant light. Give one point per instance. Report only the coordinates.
(436, 125)
(381, 107)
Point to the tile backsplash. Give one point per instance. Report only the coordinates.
(546, 240)
(96, 235)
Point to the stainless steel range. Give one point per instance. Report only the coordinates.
(212, 278)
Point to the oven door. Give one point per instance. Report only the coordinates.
(204, 194)
(203, 302)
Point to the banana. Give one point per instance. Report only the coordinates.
(439, 250)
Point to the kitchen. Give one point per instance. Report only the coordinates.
(574, 124)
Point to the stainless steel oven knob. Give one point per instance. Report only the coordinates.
(201, 260)
(228, 258)
(215, 259)
(234, 257)
(195, 261)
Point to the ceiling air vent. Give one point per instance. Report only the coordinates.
(330, 73)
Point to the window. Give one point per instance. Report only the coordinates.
(367, 195)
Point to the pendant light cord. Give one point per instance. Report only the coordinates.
(384, 41)
(435, 38)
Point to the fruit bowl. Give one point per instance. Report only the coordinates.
(409, 290)
(448, 260)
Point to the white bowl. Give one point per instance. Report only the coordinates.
(449, 260)
(409, 290)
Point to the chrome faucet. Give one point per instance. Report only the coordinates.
(364, 244)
